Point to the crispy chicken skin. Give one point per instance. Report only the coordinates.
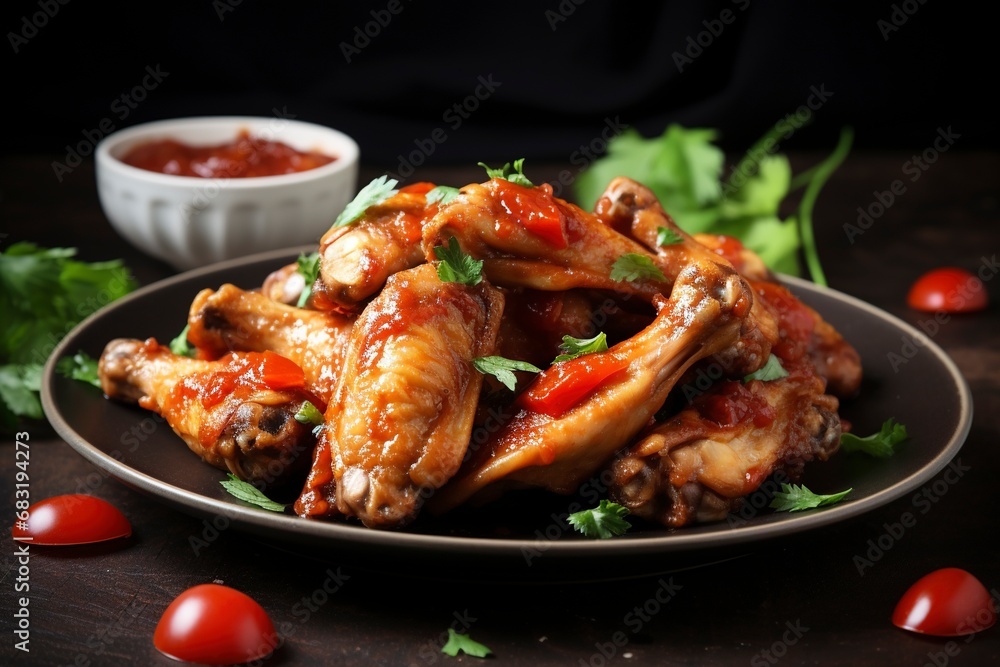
(232, 424)
(835, 359)
(568, 249)
(692, 468)
(633, 209)
(402, 414)
(357, 259)
(231, 319)
(557, 448)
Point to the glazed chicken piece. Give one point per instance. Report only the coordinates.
(237, 413)
(835, 359)
(579, 412)
(231, 319)
(697, 466)
(402, 414)
(357, 259)
(526, 237)
(632, 209)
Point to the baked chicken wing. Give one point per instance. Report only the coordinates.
(357, 259)
(698, 465)
(231, 319)
(237, 413)
(579, 412)
(401, 417)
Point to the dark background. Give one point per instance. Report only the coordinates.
(561, 74)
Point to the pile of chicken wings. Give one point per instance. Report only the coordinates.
(674, 412)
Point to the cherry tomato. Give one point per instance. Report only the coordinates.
(947, 603)
(213, 624)
(72, 519)
(949, 290)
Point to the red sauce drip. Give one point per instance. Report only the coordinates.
(245, 157)
(795, 320)
(420, 188)
(241, 374)
(732, 403)
(534, 209)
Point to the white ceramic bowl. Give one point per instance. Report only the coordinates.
(191, 221)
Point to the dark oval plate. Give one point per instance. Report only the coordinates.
(523, 536)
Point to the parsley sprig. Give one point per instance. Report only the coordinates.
(604, 521)
(771, 370)
(515, 175)
(633, 267)
(880, 445)
(457, 267)
(374, 193)
(666, 236)
(797, 497)
(503, 369)
(81, 366)
(459, 642)
(308, 267)
(249, 493)
(576, 347)
(180, 345)
(441, 194)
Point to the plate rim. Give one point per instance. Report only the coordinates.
(297, 529)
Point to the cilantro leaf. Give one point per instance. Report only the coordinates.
(632, 267)
(881, 445)
(515, 175)
(683, 167)
(180, 345)
(459, 642)
(441, 194)
(19, 385)
(666, 236)
(308, 267)
(604, 521)
(502, 369)
(771, 370)
(44, 293)
(309, 414)
(372, 194)
(81, 366)
(575, 347)
(796, 497)
(457, 267)
(249, 493)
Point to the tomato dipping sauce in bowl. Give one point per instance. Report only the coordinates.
(244, 157)
(195, 191)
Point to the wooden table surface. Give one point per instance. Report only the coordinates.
(794, 600)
